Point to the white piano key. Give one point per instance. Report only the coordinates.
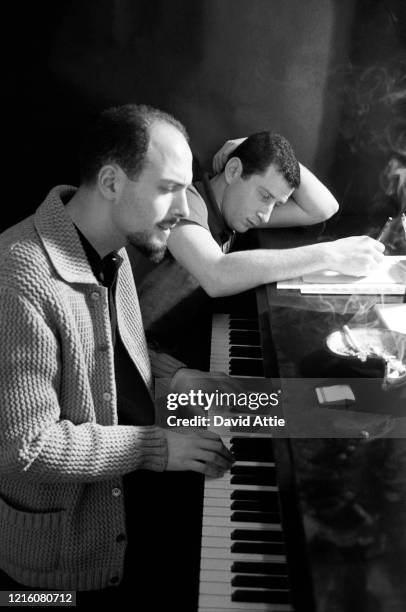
(215, 565)
(219, 483)
(217, 502)
(221, 588)
(224, 576)
(217, 510)
(224, 604)
(220, 553)
(215, 542)
(218, 532)
(218, 576)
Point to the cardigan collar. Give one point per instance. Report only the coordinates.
(60, 238)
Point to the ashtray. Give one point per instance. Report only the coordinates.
(367, 348)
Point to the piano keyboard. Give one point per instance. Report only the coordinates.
(236, 346)
(243, 563)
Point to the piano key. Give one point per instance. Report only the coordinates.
(257, 535)
(235, 323)
(237, 547)
(219, 483)
(259, 568)
(245, 351)
(212, 552)
(264, 582)
(250, 469)
(252, 505)
(221, 588)
(252, 338)
(248, 479)
(226, 531)
(261, 596)
(262, 548)
(220, 603)
(265, 496)
(223, 521)
(255, 517)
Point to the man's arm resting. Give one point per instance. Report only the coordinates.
(310, 203)
(219, 274)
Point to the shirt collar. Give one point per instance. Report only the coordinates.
(105, 269)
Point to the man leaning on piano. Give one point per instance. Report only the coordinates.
(87, 478)
(258, 183)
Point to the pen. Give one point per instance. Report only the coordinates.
(384, 228)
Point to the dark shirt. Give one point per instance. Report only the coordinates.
(134, 403)
(222, 234)
(158, 505)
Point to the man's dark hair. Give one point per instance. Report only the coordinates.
(262, 149)
(121, 135)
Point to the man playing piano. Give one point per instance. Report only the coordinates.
(259, 183)
(83, 482)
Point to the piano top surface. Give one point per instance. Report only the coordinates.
(350, 473)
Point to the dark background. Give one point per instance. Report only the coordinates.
(223, 67)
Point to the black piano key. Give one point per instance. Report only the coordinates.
(250, 338)
(258, 548)
(246, 351)
(250, 455)
(252, 449)
(242, 455)
(236, 323)
(252, 442)
(242, 479)
(267, 496)
(253, 470)
(280, 597)
(257, 535)
(253, 505)
(253, 475)
(246, 367)
(257, 567)
(255, 517)
(260, 582)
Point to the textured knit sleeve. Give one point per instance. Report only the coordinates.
(164, 365)
(35, 438)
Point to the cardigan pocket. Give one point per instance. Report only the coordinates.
(30, 540)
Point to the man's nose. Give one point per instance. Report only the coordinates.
(264, 215)
(180, 206)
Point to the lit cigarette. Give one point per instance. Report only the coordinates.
(354, 344)
(351, 338)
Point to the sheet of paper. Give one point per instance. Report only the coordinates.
(388, 278)
(392, 270)
(393, 316)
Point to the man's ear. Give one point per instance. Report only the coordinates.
(233, 170)
(109, 180)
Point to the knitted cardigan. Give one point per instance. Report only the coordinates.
(62, 453)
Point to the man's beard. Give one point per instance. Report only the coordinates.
(143, 242)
